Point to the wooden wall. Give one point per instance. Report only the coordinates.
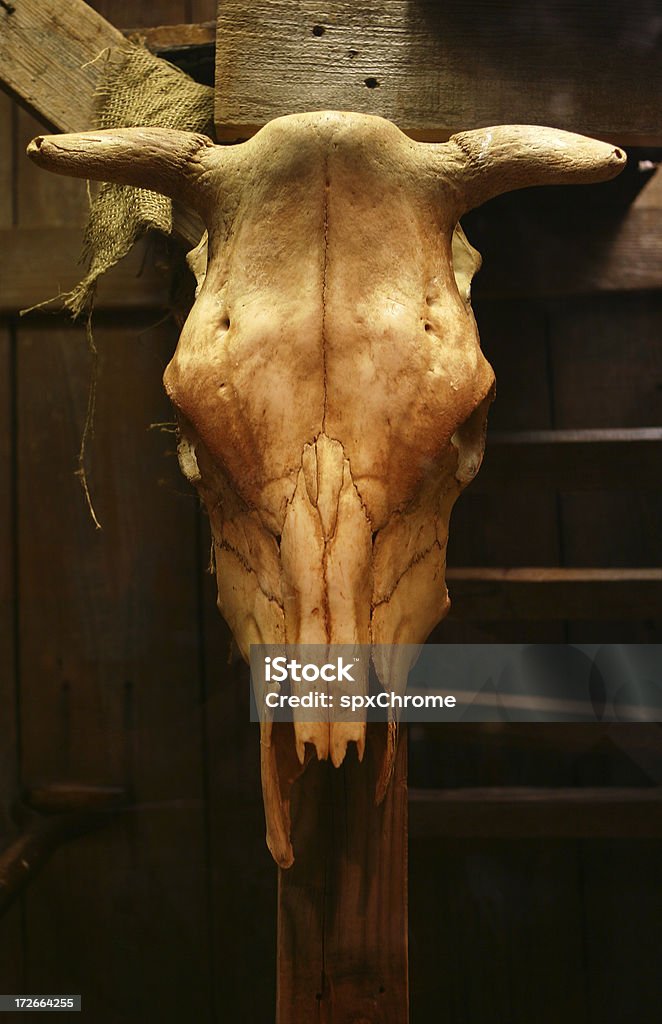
(116, 669)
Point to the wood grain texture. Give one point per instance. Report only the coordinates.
(484, 528)
(109, 688)
(607, 365)
(157, 12)
(243, 876)
(11, 937)
(438, 68)
(342, 929)
(45, 200)
(542, 593)
(6, 162)
(607, 361)
(164, 38)
(524, 256)
(43, 262)
(43, 47)
(623, 934)
(497, 926)
(496, 812)
(47, 62)
(202, 10)
(572, 460)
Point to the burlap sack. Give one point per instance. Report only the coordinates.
(138, 90)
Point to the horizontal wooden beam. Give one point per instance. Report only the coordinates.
(527, 812)
(534, 594)
(164, 39)
(572, 460)
(437, 68)
(576, 738)
(612, 251)
(44, 262)
(41, 263)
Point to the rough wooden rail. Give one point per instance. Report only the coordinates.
(533, 594)
(53, 815)
(516, 812)
(572, 460)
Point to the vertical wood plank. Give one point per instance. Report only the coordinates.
(11, 949)
(110, 688)
(508, 528)
(498, 933)
(623, 911)
(342, 928)
(243, 893)
(109, 636)
(485, 916)
(607, 369)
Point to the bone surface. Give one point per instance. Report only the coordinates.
(329, 384)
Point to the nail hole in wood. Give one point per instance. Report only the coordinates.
(318, 30)
(371, 83)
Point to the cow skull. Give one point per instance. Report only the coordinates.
(329, 384)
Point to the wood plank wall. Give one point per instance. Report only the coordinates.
(11, 929)
(125, 675)
(111, 643)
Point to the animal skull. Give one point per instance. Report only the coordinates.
(329, 384)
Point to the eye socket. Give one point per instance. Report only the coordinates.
(466, 262)
(469, 440)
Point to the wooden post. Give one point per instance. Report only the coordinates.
(342, 907)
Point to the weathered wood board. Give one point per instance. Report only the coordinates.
(498, 932)
(622, 904)
(524, 255)
(44, 45)
(41, 263)
(342, 929)
(572, 460)
(497, 812)
(555, 593)
(243, 877)
(438, 68)
(51, 61)
(11, 937)
(109, 692)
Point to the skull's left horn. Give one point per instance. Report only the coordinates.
(161, 159)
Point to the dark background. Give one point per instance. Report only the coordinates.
(116, 669)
